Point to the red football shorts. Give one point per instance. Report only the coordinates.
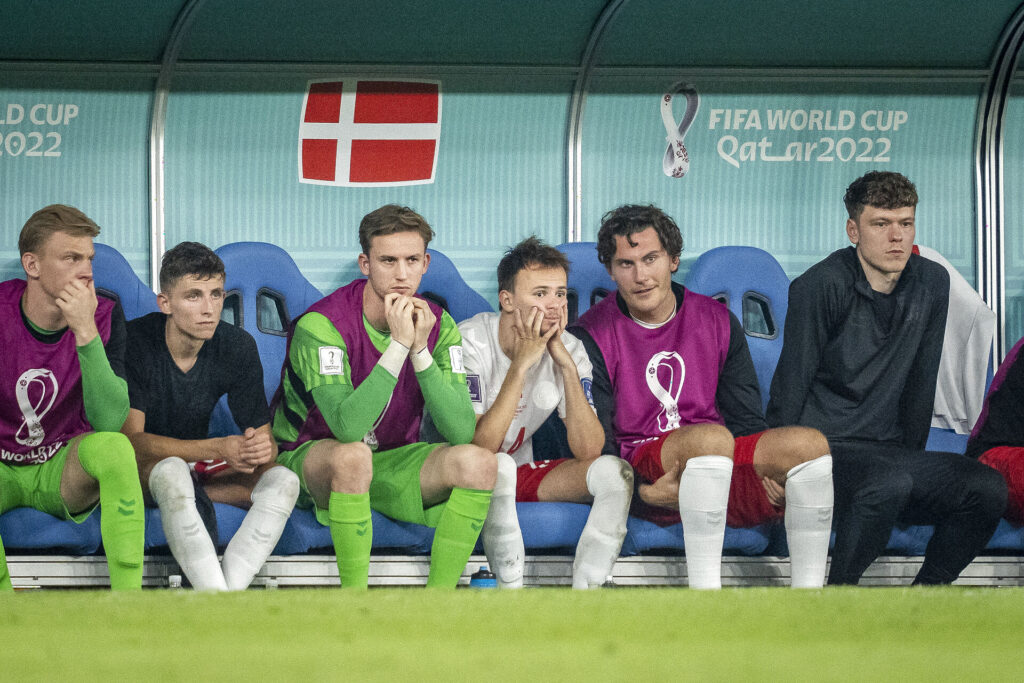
(748, 502)
(530, 475)
(1009, 462)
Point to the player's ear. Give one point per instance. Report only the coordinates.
(30, 262)
(164, 303)
(675, 263)
(852, 230)
(426, 260)
(364, 264)
(505, 301)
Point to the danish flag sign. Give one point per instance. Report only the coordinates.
(363, 133)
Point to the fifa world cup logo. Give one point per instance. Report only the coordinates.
(667, 367)
(44, 383)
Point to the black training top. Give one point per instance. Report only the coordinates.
(856, 364)
(179, 404)
(737, 395)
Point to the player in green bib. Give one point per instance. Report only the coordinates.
(363, 364)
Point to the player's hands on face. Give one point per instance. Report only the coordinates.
(556, 348)
(665, 491)
(775, 491)
(530, 343)
(77, 301)
(398, 310)
(424, 320)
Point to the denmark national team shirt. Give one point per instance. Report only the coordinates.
(543, 390)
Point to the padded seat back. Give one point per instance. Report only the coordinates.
(443, 285)
(752, 284)
(589, 281)
(116, 279)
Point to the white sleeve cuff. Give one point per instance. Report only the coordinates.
(394, 357)
(421, 360)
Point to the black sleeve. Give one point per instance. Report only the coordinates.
(918, 397)
(246, 399)
(806, 333)
(739, 395)
(601, 389)
(116, 343)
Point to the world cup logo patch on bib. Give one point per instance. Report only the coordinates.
(665, 373)
(41, 383)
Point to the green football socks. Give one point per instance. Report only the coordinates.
(456, 534)
(352, 533)
(108, 457)
(5, 576)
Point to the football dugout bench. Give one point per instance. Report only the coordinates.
(265, 291)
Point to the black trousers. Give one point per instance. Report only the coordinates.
(878, 485)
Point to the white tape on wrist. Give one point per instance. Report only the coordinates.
(676, 161)
(394, 357)
(421, 360)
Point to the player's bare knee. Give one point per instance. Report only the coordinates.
(808, 444)
(351, 467)
(709, 439)
(472, 467)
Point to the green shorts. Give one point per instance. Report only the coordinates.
(394, 489)
(38, 486)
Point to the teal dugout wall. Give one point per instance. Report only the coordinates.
(512, 77)
(79, 139)
(771, 158)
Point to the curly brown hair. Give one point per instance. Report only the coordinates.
(630, 219)
(881, 189)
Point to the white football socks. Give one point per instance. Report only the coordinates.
(502, 537)
(170, 483)
(273, 498)
(703, 499)
(610, 481)
(809, 500)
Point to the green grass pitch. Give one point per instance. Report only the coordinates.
(636, 634)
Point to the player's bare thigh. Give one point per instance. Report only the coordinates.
(692, 441)
(566, 483)
(447, 467)
(77, 487)
(780, 450)
(235, 488)
(334, 466)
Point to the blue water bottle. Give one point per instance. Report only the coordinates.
(483, 578)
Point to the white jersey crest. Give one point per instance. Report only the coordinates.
(667, 395)
(32, 415)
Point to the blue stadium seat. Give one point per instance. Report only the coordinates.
(443, 285)
(116, 279)
(589, 281)
(265, 292)
(752, 284)
(27, 529)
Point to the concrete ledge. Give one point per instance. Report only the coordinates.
(61, 571)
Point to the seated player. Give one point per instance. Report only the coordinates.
(673, 384)
(998, 438)
(362, 364)
(63, 363)
(181, 360)
(863, 339)
(521, 365)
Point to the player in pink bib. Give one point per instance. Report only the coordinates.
(673, 384)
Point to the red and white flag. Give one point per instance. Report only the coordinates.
(362, 133)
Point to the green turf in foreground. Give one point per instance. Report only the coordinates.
(549, 634)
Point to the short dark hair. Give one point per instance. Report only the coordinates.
(54, 218)
(189, 258)
(530, 253)
(881, 189)
(389, 219)
(630, 219)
